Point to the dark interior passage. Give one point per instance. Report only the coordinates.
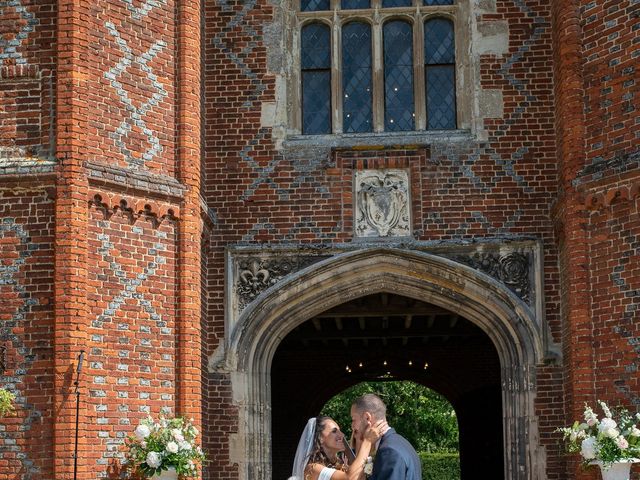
(381, 337)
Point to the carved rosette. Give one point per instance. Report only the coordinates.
(256, 274)
(512, 269)
(382, 203)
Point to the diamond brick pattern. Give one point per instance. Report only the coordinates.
(136, 112)
(439, 46)
(398, 76)
(441, 97)
(12, 41)
(17, 303)
(356, 78)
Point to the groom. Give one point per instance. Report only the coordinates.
(395, 458)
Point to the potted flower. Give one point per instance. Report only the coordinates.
(612, 442)
(166, 448)
(6, 402)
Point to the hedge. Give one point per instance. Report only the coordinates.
(440, 466)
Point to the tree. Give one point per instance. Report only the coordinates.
(422, 416)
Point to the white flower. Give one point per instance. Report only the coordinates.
(172, 447)
(142, 432)
(590, 417)
(635, 432)
(154, 459)
(621, 442)
(588, 450)
(177, 435)
(368, 466)
(185, 445)
(605, 408)
(606, 424)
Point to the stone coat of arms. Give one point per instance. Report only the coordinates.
(382, 203)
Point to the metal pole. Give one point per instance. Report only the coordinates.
(77, 384)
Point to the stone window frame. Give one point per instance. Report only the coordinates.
(376, 16)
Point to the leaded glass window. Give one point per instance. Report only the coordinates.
(439, 60)
(357, 84)
(316, 79)
(398, 76)
(377, 66)
(353, 4)
(314, 5)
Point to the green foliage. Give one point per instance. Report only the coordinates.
(6, 402)
(157, 446)
(419, 414)
(440, 466)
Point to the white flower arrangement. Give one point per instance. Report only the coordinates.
(612, 439)
(157, 446)
(368, 466)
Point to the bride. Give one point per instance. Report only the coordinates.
(317, 455)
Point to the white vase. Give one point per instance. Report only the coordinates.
(169, 474)
(618, 470)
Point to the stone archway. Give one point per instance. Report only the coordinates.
(505, 319)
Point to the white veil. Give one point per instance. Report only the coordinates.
(304, 450)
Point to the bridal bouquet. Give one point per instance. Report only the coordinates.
(612, 439)
(158, 446)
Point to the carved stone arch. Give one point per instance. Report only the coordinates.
(251, 344)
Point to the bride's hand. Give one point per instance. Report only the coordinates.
(374, 432)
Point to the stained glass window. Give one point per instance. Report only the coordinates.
(357, 84)
(440, 82)
(316, 78)
(398, 76)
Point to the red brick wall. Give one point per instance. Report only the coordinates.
(27, 60)
(26, 326)
(131, 85)
(132, 337)
(611, 83)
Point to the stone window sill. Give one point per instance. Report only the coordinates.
(377, 140)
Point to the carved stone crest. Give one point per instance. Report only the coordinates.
(382, 203)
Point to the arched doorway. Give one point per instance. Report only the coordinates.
(254, 338)
(385, 337)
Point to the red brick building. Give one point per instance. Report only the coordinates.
(230, 206)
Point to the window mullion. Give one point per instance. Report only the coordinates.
(418, 72)
(336, 74)
(378, 75)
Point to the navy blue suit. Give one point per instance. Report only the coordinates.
(396, 459)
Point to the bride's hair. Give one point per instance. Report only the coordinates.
(317, 454)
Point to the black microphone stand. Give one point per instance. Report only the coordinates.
(77, 384)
